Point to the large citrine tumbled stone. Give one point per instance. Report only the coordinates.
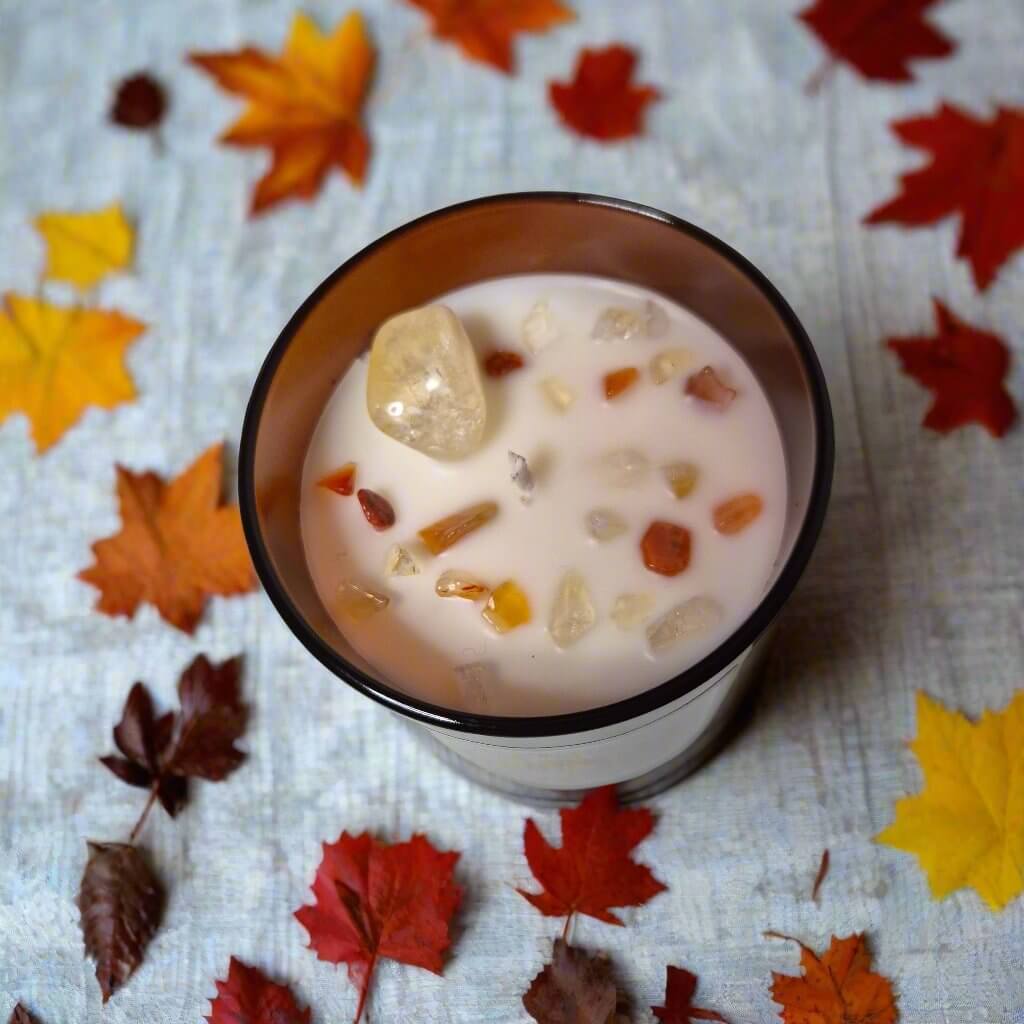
(423, 387)
(440, 536)
(507, 607)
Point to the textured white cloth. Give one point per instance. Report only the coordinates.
(918, 581)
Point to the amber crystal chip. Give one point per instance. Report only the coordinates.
(358, 603)
(618, 381)
(507, 607)
(737, 513)
(455, 583)
(708, 387)
(341, 481)
(666, 548)
(377, 509)
(502, 362)
(440, 536)
(681, 477)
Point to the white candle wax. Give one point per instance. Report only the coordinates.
(419, 640)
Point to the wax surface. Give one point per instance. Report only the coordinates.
(417, 641)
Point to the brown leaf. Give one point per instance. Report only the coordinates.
(140, 102)
(177, 545)
(121, 904)
(143, 739)
(820, 877)
(19, 1015)
(575, 988)
(212, 718)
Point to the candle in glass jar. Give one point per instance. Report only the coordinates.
(624, 486)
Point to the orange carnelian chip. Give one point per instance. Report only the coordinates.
(378, 511)
(737, 513)
(666, 548)
(620, 380)
(341, 481)
(440, 536)
(707, 386)
(497, 364)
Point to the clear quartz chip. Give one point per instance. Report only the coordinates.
(357, 603)
(605, 524)
(572, 614)
(630, 610)
(559, 395)
(655, 320)
(618, 324)
(423, 384)
(456, 583)
(623, 467)
(540, 328)
(522, 476)
(669, 363)
(476, 680)
(684, 621)
(398, 562)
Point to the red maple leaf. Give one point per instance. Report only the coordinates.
(977, 170)
(680, 988)
(250, 997)
(877, 37)
(377, 901)
(601, 102)
(965, 367)
(484, 29)
(593, 870)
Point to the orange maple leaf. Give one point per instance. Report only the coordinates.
(484, 29)
(55, 361)
(840, 986)
(303, 105)
(176, 546)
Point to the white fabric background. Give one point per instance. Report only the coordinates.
(917, 583)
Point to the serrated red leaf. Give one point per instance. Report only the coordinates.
(377, 901)
(680, 988)
(250, 997)
(965, 368)
(877, 37)
(601, 102)
(593, 870)
(976, 170)
(484, 30)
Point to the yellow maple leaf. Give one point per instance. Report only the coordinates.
(966, 827)
(304, 105)
(84, 247)
(56, 360)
